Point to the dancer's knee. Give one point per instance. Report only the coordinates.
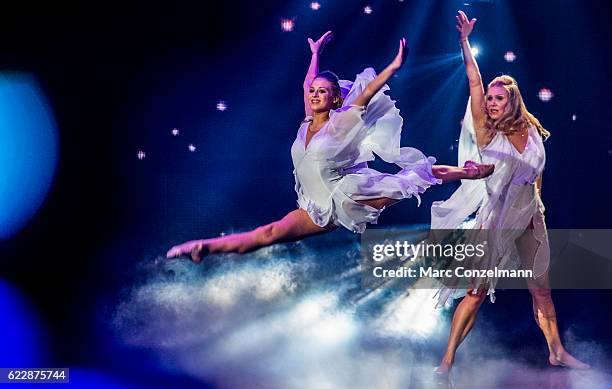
(269, 233)
(476, 296)
(543, 307)
(541, 295)
(379, 203)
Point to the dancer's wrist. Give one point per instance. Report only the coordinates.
(392, 68)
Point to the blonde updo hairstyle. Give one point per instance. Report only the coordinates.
(516, 117)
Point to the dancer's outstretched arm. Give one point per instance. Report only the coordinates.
(470, 171)
(374, 86)
(446, 173)
(313, 69)
(465, 27)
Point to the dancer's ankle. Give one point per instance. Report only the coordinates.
(448, 360)
(556, 351)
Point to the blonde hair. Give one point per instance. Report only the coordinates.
(516, 117)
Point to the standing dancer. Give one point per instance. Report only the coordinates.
(333, 183)
(498, 129)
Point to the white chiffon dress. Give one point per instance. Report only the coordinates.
(506, 204)
(331, 173)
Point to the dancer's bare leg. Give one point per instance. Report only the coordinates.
(546, 318)
(294, 226)
(463, 321)
(467, 310)
(379, 203)
(544, 308)
(297, 224)
(470, 171)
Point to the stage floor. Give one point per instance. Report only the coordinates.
(297, 315)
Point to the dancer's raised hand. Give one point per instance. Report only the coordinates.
(317, 47)
(402, 52)
(464, 26)
(374, 86)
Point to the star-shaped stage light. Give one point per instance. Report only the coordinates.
(509, 56)
(545, 94)
(221, 105)
(287, 25)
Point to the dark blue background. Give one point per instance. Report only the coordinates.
(120, 76)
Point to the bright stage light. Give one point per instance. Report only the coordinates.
(174, 131)
(141, 155)
(315, 5)
(475, 51)
(545, 94)
(28, 150)
(221, 105)
(574, 117)
(367, 10)
(287, 25)
(509, 56)
(412, 316)
(22, 342)
(191, 147)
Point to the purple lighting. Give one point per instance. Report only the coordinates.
(221, 105)
(287, 25)
(509, 56)
(545, 94)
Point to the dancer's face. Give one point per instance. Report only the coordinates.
(496, 101)
(320, 95)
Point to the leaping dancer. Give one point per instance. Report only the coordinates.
(334, 185)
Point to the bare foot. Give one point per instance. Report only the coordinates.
(566, 359)
(442, 374)
(195, 249)
(444, 369)
(475, 170)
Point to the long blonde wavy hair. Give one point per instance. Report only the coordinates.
(516, 117)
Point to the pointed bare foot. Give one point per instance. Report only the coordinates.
(566, 359)
(443, 376)
(195, 249)
(444, 369)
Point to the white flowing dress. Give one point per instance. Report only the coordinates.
(506, 203)
(331, 172)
